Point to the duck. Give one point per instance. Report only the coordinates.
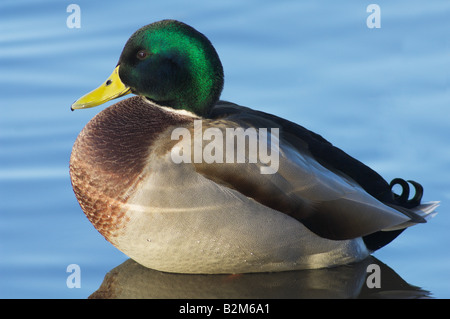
(169, 177)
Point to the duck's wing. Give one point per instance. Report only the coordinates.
(322, 150)
(325, 199)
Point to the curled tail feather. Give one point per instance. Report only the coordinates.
(413, 208)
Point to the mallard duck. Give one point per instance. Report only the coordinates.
(315, 207)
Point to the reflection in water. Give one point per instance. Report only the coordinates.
(131, 280)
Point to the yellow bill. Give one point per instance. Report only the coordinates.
(111, 89)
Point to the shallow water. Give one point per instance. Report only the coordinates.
(380, 94)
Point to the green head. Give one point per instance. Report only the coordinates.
(169, 63)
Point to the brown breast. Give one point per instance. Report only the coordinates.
(109, 156)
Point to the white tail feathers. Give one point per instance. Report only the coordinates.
(427, 210)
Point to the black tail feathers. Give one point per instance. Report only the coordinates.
(403, 199)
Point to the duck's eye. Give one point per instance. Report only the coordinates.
(142, 54)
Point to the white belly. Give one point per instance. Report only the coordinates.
(202, 227)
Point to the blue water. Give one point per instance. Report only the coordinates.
(381, 94)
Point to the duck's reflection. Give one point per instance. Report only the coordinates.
(131, 280)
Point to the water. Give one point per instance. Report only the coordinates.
(380, 94)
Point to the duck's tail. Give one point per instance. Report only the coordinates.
(413, 208)
(421, 214)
